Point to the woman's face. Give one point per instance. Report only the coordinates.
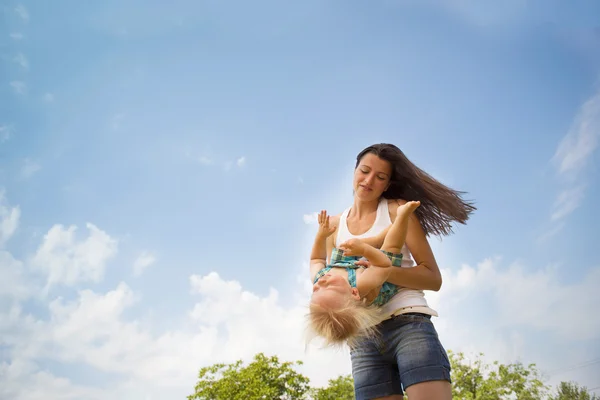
(371, 177)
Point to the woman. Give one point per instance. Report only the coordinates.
(406, 353)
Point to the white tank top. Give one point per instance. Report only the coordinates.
(406, 300)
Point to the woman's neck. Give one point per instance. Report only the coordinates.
(362, 208)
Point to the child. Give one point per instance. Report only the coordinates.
(345, 300)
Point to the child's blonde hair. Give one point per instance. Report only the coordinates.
(352, 321)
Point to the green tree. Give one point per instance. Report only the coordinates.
(264, 378)
(572, 391)
(476, 380)
(340, 388)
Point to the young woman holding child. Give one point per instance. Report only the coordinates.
(380, 309)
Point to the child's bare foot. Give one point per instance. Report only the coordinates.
(407, 208)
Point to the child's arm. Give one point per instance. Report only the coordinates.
(371, 279)
(377, 240)
(318, 255)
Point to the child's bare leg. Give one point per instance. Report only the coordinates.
(396, 235)
(377, 240)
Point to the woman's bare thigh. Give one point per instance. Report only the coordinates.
(432, 390)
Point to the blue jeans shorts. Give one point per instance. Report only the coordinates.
(405, 351)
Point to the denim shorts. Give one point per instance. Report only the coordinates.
(405, 351)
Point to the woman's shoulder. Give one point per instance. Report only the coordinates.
(396, 202)
(334, 220)
(393, 205)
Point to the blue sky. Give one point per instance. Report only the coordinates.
(199, 137)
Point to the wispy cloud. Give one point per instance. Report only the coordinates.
(310, 218)
(48, 97)
(21, 60)
(6, 133)
(9, 219)
(208, 158)
(205, 160)
(143, 261)
(571, 158)
(29, 168)
(240, 163)
(567, 201)
(22, 12)
(576, 148)
(115, 121)
(16, 36)
(19, 87)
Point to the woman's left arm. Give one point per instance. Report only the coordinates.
(426, 274)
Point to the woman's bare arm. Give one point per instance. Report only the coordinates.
(426, 274)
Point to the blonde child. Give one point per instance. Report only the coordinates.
(348, 292)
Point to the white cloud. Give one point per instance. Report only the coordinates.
(522, 306)
(576, 148)
(241, 161)
(205, 160)
(310, 218)
(9, 219)
(522, 296)
(48, 97)
(68, 261)
(12, 285)
(143, 261)
(567, 202)
(19, 87)
(16, 35)
(29, 168)
(6, 133)
(22, 12)
(226, 324)
(571, 157)
(21, 60)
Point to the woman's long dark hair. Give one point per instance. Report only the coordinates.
(440, 205)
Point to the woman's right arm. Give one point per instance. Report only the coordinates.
(425, 275)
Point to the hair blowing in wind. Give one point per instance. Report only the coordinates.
(440, 205)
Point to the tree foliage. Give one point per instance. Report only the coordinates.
(340, 388)
(476, 380)
(472, 379)
(264, 378)
(572, 391)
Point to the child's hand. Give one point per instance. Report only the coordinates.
(324, 229)
(353, 247)
(363, 263)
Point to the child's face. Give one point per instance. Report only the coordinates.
(332, 291)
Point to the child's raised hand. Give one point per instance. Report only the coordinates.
(353, 247)
(363, 263)
(324, 229)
